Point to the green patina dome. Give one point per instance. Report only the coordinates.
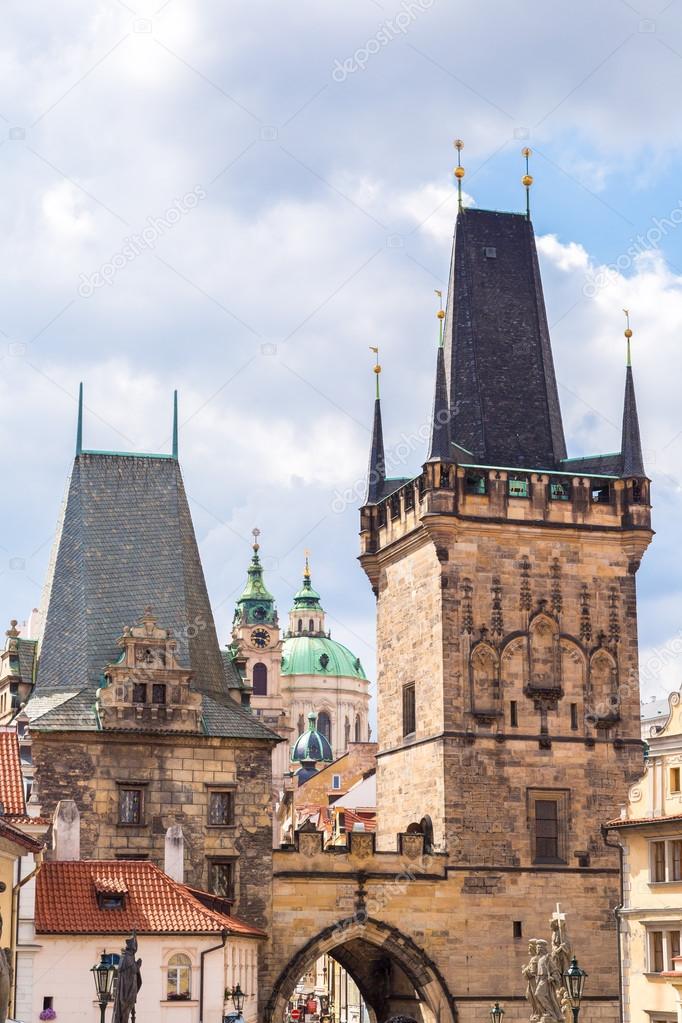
(312, 745)
(319, 655)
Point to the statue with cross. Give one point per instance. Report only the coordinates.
(544, 973)
(562, 951)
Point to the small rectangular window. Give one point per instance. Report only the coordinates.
(130, 805)
(517, 486)
(409, 709)
(220, 808)
(139, 692)
(158, 693)
(513, 714)
(336, 781)
(475, 482)
(676, 860)
(546, 830)
(658, 861)
(673, 947)
(574, 716)
(674, 779)
(221, 878)
(517, 929)
(48, 1001)
(656, 951)
(490, 252)
(559, 490)
(600, 493)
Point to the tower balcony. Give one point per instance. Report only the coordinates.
(496, 494)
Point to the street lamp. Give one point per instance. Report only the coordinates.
(103, 974)
(496, 1013)
(238, 998)
(575, 984)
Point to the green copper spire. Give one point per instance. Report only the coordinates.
(307, 599)
(256, 604)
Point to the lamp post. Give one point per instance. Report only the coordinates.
(238, 997)
(103, 974)
(496, 1013)
(575, 984)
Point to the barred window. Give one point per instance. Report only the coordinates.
(409, 709)
(221, 878)
(220, 808)
(139, 692)
(130, 806)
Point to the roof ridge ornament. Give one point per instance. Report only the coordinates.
(377, 365)
(441, 316)
(79, 427)
(628, 335)
(459, 171)
(175, 425)
(527, 179)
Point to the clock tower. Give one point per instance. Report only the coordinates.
(257, 644)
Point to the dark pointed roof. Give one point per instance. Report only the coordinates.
(376, 472)
(631, 445)
(498, 358)
(440, 447)
(126, 541)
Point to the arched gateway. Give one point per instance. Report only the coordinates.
(392, 973)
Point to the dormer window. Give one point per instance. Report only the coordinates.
(114, 900)
(111, 892)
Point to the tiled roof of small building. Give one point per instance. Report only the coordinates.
(66, 901)
(14, 834)
(11, 780)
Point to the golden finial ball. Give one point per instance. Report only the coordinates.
(459, 172)
(527, 180)
(526, 152)
(377, 368)
(458, 144)
(441, 314)
(628, 333)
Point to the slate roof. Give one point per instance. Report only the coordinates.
(500, 373)
(233, 678)
(66, 901)
(26, 649)
(631, 445)
(126, 542)
(376, 471)
(11, 779)
(76, 712)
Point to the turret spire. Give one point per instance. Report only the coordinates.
(376, 473)
(440, 449)
(79, 427)
(631, 444)
(256, 604)
(175, 425)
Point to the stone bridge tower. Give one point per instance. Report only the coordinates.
(508, 698)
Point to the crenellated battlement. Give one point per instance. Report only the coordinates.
(478, 492)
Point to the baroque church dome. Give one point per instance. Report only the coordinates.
(312, 745)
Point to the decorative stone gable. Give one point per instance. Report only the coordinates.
(147, 687)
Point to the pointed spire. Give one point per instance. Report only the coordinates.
(256, 604)
(307, 599)
(527, 179)
(175, 425)
(376, 473)
(459, 171)
(631, 444)
(79, 427)
(440, 449)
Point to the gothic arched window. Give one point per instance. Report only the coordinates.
(260, 680)
(324, 725)
(358, 729)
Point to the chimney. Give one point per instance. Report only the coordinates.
(174, 860)
(66, 831)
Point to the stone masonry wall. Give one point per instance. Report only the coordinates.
(177, 772)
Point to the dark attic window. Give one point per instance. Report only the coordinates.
(111, 900)
(600, 492)
(475, 483)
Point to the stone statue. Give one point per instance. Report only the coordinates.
(544, 972)
(5, 979)
(129, 982)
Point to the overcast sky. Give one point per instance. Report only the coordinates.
(237, 199)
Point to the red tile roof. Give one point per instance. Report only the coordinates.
(11, 781)
(9, 831)
(627, 822)
(66, 901)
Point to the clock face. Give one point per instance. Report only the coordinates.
(260, 637)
